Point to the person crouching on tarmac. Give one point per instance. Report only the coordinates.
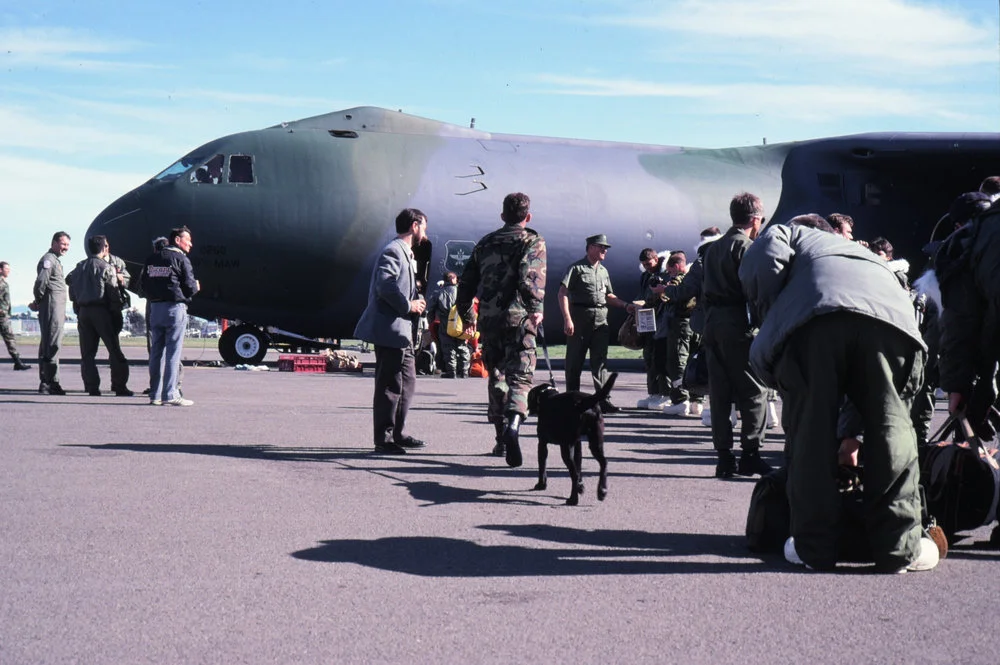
(835, 323)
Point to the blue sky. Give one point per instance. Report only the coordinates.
(99, 96)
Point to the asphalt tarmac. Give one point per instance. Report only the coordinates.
(257, 527)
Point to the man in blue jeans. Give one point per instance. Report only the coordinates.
(168, 283)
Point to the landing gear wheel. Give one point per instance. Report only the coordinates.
(243, 345)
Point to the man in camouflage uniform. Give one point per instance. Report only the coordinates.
(507, 269)
(124, 281)
(50, 303)
(5, 331)
(584, 296)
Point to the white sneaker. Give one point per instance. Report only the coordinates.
(646, 401)
(661, 401)
(927, 558)
(695, 409)
(679, 409)
(155, 402)
(772, 416)
(791, 556)
(178, 401)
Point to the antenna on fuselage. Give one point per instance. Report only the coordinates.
(472, 124)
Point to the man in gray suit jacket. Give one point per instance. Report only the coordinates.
(389, 323)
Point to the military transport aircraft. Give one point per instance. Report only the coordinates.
(288, 220)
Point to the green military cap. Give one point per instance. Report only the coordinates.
(599, 239)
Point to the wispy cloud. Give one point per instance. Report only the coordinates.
(64, 49)
(72, 134)
(864, 33)
(801, 102)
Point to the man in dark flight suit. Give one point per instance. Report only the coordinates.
(728, 334)
(50, 302)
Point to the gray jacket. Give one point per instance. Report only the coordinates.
(387, 320)
(94, 282)
(793, 274)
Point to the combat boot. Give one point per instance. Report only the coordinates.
(499, 449)
(510, 440)
(20, 365)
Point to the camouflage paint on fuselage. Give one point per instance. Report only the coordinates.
(294, 249)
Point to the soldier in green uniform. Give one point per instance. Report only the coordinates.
(50, 302)
(728, 335)
(584, 296)
(5, 331)
(507, 271)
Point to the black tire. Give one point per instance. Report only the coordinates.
(243, 345)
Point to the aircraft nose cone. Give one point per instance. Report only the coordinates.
(126, 225)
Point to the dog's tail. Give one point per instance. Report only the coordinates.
(591, 401)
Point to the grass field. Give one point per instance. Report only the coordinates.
(555, 351)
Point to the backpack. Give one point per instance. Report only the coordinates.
(424, 362)
(961, 481)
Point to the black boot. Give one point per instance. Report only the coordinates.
(20, 365)
(499, 449)
(752, 465)
(725, 467)
(510, 434)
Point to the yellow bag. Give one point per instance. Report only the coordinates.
(455, 327)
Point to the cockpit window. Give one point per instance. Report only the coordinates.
(241, 169)
(209, 173)
(177, 168)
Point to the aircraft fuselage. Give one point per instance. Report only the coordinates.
(288, 221)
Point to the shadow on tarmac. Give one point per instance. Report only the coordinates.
(613, 553)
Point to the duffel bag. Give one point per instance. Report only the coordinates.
(961, 480)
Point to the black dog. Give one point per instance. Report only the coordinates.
(564, 418)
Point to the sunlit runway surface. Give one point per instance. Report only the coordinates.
(256, 527)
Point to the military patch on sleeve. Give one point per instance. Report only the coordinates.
(47, 264)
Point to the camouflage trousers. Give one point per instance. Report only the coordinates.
(8, 338)
(509, 357)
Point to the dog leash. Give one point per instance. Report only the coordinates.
(545, 350)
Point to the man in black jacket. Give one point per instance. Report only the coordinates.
(169, 284)
(968, 268)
